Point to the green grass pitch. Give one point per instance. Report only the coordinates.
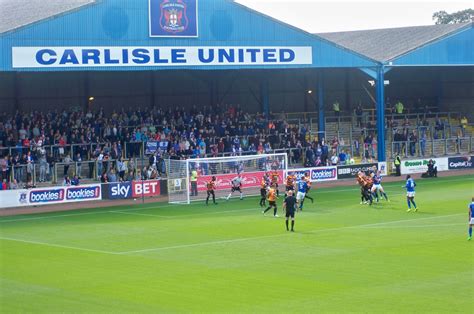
(230, 258)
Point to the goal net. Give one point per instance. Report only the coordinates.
(251, 169)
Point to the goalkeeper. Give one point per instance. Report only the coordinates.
(236, 186)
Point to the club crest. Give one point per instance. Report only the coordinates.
(174, 18)
(23, 198)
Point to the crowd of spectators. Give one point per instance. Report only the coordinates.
(95, 142)
(76, 138)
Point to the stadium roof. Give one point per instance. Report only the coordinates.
(387, 44)
(18, 13)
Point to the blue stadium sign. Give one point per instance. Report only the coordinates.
(173, 18)
(74, 57)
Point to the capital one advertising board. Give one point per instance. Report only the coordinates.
(465, 162)
(224, 181)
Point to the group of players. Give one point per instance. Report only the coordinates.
(291, 204)
(269, 192)
(371, 186)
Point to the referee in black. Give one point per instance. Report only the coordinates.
(290, 207)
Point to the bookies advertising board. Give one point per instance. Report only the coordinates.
(50, 195)
(315, 174)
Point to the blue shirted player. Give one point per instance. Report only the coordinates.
(377, 179)
(302, 187)
(410, 186)
(471, 219)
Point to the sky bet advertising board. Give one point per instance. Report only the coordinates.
(117, 191)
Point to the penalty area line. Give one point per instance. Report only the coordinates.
(182, 246)
(58, 246)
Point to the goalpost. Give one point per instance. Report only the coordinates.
(250, 167)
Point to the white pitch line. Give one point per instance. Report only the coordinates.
(135, 214)
(80, 214)
(418, 226)
(58, 246)
(186, 215)
(272, 236)
(212, 242)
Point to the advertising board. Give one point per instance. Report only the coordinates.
(347, 172)
(465, 162)
(50, 195)
(421, 165)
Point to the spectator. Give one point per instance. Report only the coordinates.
(100, 163)
(334, 160)
(43, 164)
(423, 144)
(104, 178)
(399, 107)
(324, 153)
(342, 157)
(112, 177)
(29, 168)
(66, 181)
(16, 164)
(337, 108)
(3, 167)
(413, 141)
(67, 163)
(463, 125)
(121, 168)
(357, 147)
(14, 185)
(50, 167)
(439, 128)
(75, 181)
(359, 112)
(78, 160)
(4, 185)
(131, 169)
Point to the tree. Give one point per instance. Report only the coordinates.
(464, 16)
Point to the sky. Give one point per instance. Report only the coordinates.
(321, 16)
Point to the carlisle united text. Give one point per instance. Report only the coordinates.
(158, 56)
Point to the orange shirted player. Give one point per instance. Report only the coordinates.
(290, 182)
(360, 179)
(211, 187)
(368, 182)
(365, 183)
(263, 190)
(272, 196)
(275, 176)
